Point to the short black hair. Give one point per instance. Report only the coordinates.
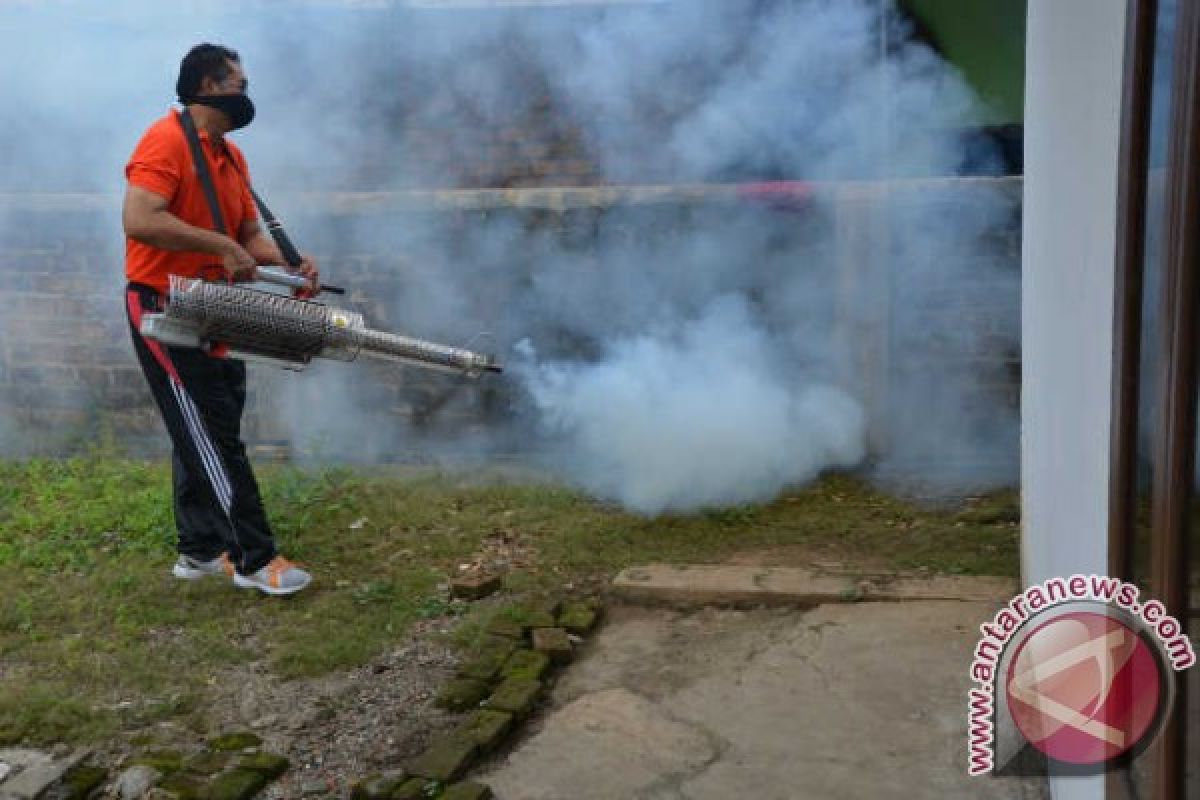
(202, 61)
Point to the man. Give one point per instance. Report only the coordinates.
(170, 230)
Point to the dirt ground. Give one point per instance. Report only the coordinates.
(335, 729)
(844, 700)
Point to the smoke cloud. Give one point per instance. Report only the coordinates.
(694, 415)
(670, 356)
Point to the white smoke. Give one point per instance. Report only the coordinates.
(694, 415)
(678, 356)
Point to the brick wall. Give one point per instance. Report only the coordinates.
(67, 369)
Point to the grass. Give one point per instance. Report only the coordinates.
(96, 637)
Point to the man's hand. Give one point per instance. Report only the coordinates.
(238, 262)
(308, 269)
(265, 252)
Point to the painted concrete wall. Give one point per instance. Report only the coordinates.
(986, 40)
(1072, 113)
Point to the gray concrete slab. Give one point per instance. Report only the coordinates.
(695, 586)
(844, 701)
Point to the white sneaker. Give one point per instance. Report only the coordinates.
(279, 577)
(191, 569)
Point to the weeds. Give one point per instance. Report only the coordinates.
(96, 636)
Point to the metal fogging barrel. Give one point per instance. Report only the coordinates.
(260, 325)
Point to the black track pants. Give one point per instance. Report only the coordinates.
(217, 504)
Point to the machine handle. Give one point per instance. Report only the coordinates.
(281, 277)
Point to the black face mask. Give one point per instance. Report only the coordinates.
(238, 107)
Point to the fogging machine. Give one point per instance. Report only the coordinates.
(286, 331)
(260, 325)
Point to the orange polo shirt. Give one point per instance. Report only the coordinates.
(162, 163)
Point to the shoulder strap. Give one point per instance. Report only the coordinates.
(274, 226)
(210, 192)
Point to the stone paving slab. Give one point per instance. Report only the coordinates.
(841, 702)
(702, 585)
(966, 588)
(610, 744)
(28, 773)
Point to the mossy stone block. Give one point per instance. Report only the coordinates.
(268, 764)
(208, 762)
(505, 627)
(445, 759)
(554, 643)
(379, 787)
(236, 784)
(461, 694)
(165, 761)
(498, 644)
(486, 728)
(479, 669)
(594, 604)
(528, 617)
(537, 618)
(411, 789)
(488, 659)
(529, 665)
(515, 695)
(467, 790)
(234, 741)
(549, 605)
(184, 786)
(82, 780)
(577, 618)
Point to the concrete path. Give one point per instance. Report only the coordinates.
(857, 700)
(749, 585)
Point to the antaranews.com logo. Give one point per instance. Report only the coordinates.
(1078, 669)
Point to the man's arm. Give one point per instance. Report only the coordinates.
(146, 219)
(259, 244)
